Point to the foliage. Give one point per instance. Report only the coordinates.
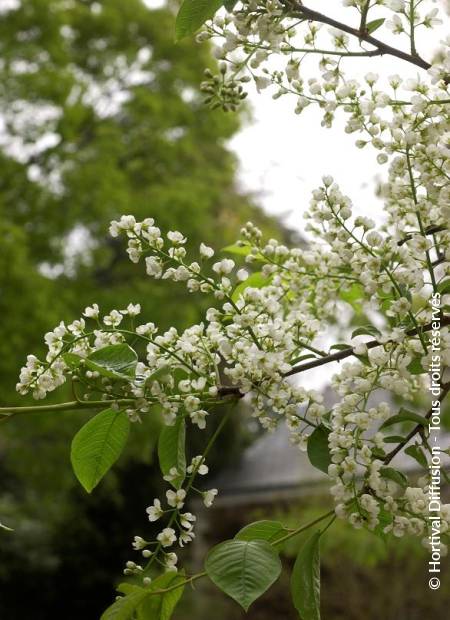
(82, 141)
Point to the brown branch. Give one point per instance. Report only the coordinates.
(299, 10)
(230, 390)
(431, 230)
(340, 355)
(416, 429)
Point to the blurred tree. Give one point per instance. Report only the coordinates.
(100, 114)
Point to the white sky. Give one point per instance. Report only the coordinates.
(283, 155)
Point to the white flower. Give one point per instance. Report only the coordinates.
(167, 537)
(91, 312)
(132, 309)
(113, 319)
(224, 266)
(153, 267)
(208, 497)
(185, 538)
(176, 237)
(187, 519)
(199, 418)
(170, 560)
(172, 475)
(197, 464)
(139, 543)
(176, 498)
(242, 275)
(155, 512)
(205, 251)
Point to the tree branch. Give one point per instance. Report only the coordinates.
(340, 355)
(431, 230)
(299, 10)
(416, 429)
(72, 405)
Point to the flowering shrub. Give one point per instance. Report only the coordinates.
(271, 317)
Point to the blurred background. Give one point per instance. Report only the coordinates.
(101, 115)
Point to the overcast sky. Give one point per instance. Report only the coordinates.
(283, 156)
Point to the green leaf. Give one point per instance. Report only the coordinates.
(239, 250)
(444, 286)
(365, 330)
(305, 579)
(374, 25)
(417, 454)
(98, 445)
(172, 450)
(229, 5)
(318, 450)
(415, 367)
(384, 519)
(303, 358)
(243, 569)
(262, 530)
(161, 607)
(352, 296)
(393, 439)
(255, 280)
(405, 415)
(193, 14)
(72, 360)
(124, 607)
(340, 346)
(117, 361)
(393, 474)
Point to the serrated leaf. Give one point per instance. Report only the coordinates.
(243, 569)
(405, 416)
(374, 25)
(255, 280)
(98, 445)
(172, 450)
(193, 14)
(117, 361)
(418, 455)
(393, 474)
(262, 530)
(305, 579)
(318, 450)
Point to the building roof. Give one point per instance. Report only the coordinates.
(272, 467)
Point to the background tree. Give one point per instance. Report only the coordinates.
(101, 115)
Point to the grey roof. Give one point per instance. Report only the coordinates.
(273, 467)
